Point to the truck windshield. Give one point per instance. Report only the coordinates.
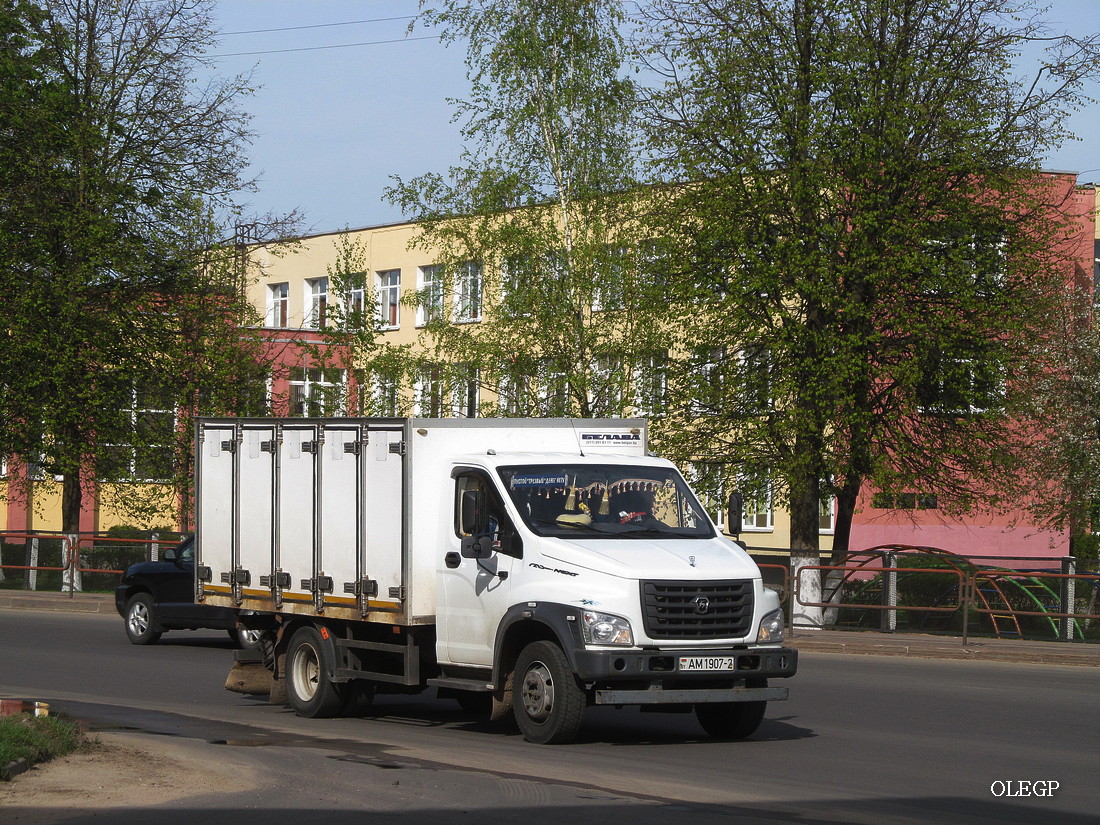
(605, 501)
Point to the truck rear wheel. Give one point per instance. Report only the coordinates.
(549, 704)
(732, 720)
(308, 688)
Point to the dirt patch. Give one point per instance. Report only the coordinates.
(118, 770)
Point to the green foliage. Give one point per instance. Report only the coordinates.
(538, 228)
(866, 228)
(118, 309)
(36, 739)
(1085, 546)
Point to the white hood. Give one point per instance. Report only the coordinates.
(716, 558)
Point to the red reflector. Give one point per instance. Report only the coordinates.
(324, 633)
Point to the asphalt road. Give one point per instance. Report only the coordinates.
(863, 739)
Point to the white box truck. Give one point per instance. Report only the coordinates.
(530, 566)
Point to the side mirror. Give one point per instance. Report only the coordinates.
(474, 516)
(169, 554)
(734, 512)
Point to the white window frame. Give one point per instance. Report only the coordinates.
(617, 258)
(311, 381)
(513, 392)
(316, 302)
(827, 509)
(650, 384)
(465, 392)
(469, 292)
(355, 305)
(387, 284)
(386, 395)
(278, 305)
(429, 288)
(762, 504)
(429, 392)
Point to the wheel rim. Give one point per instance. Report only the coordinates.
(306, 672)
(537, 692)
(139, 618)
(249, 637)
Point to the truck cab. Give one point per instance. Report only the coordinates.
(615, 563)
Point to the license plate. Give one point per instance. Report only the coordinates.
(713, 663)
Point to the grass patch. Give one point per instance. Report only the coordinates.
(36, 739)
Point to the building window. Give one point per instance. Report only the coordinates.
(316, 392)
(468, 292)
(708, 378)
(553, 388)
(146, 449)
(429, 392)
(885, 500)
(650, 384)
(826, 520)
(465, 392)
(611, 281)
(605, 389)
(278, 305)
(756, 511)
(355, 302)
(960, 386)
(429, 287)
(514, 389)
(316, 302)
(386, 395)
(388, 284)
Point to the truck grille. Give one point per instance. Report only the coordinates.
(697, 610)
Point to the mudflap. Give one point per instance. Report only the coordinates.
(248, 675)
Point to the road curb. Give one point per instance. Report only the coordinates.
(1073, 654)
(58, 602)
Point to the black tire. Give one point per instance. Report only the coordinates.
(549, 704)
(732, 720)
(308, 688)
(141, 620)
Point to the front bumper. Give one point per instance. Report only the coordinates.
(653, 677)
(627, 665)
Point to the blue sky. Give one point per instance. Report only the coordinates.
(334, 124)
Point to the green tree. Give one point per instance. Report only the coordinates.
(870, 243)
(537, 228)
(113, 319)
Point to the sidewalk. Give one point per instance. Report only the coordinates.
(58, 602)
(866, 643)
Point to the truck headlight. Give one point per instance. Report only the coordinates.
(771, 627)
(605, 629)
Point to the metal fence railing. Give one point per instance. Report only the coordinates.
(1007, 603)
(39, 560)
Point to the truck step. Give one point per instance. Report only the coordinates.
(456, 683)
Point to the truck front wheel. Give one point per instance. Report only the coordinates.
(308, 688)
(732, 720)
(549, 703)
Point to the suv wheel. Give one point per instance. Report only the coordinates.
(141, 620)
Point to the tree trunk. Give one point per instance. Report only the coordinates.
(845, 510)
(71, 502)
